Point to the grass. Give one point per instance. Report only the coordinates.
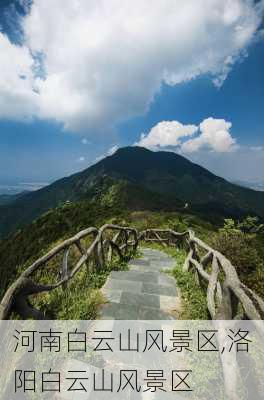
(194, 299)
(82, 298)
(31, 242)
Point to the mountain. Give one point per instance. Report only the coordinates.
(10, 198)
(156, 180)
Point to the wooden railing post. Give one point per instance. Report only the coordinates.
(222, 298)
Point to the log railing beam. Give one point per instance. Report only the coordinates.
(223, 295)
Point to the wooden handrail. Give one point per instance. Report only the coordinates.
(225, 292)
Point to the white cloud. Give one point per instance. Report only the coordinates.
(109, 152)
(166, 133)
(85, 63)
(85, 141)
(112, 150)
(257, 148)
(99, 158)
(213, 134)
(17, 100)
(81, 159)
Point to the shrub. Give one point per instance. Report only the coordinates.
(240, 243)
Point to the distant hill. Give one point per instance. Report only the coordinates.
(157, 180)
(7, 198)
(10, 198)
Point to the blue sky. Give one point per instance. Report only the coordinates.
(72, 93)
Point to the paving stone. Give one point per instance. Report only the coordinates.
(167, 280)
(145, 313)
(152, 288)
(120, 311)
(169, 303)
(121, 284)
(140, 262)
(148, 300)
(162, 267)
(112, 295)
(144, 292)
(151, 268)
(138, 268)
(136, 276)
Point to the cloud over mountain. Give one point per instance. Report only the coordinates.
(90, 64)
(166, 134)
(213, 134)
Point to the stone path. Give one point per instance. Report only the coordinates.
(145, 292)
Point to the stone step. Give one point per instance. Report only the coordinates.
(154, 266)
(125, 285)
(152, 288)
(143, 292)
(135, 276)
(168, 303)
(119, 311)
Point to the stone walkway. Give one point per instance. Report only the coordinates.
(145, 292)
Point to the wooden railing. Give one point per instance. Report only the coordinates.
(95, 248)
(227, 296)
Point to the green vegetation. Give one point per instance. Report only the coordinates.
(146, 181)
(26, 245)
(10, 198)
(193, 296)
(140, 188)
(242, 243)
(81, 299)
